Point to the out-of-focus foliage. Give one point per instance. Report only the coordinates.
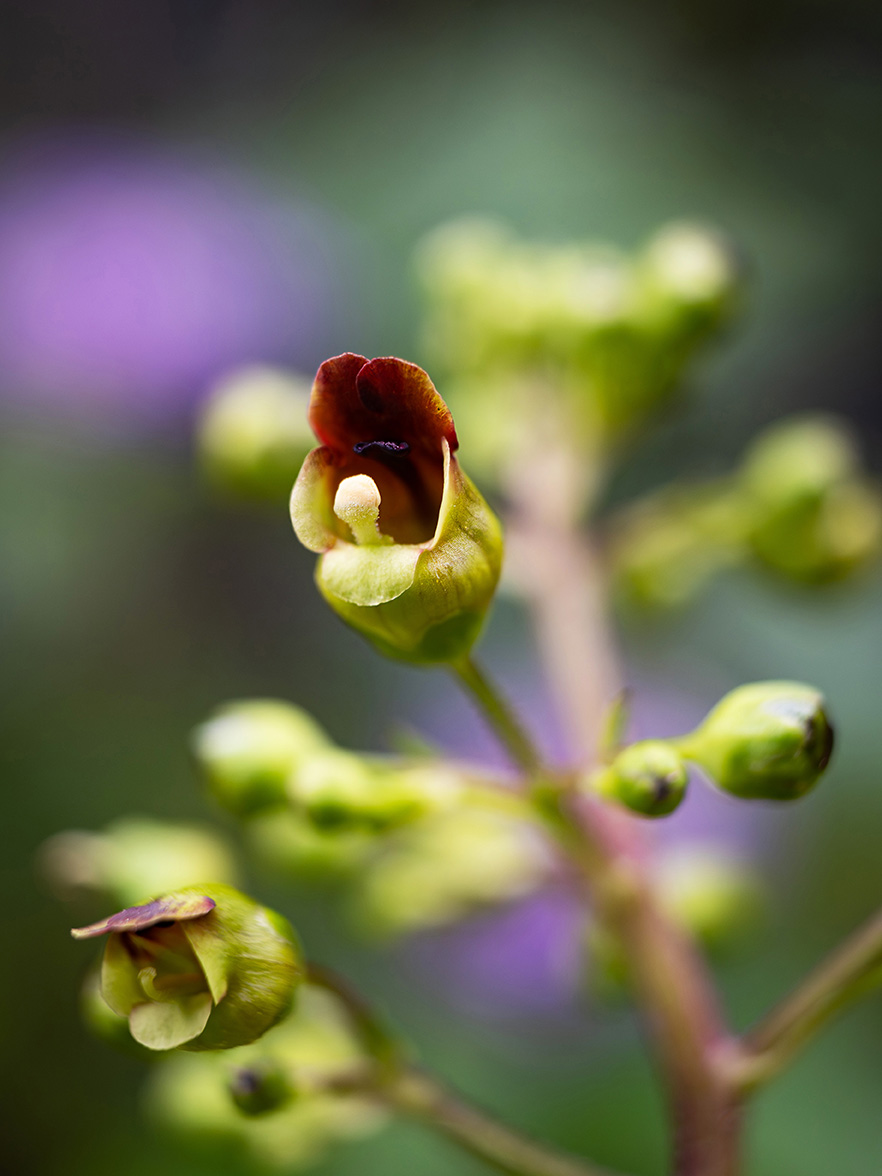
(799, 505)
(591, 339)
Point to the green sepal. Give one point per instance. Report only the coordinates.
(120, 986)
(437, 616)
(213, 955)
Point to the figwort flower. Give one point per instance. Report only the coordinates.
(202, 968)
(410, 552)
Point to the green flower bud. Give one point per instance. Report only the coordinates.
(134, 857)
(261, 1088)
(202, 968)
(717, 898)
(768, 741)
(410, 552)
(252, 435)
(341, 790)
(812, 515)
(247, 750)
(648, 778)
(692, 275)
(668, 546)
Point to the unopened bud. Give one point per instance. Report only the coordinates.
(247, 750)
(648, 778)
(811, 513)
(768, 741)
(341, 790)
(252, 434)
(261, 1087)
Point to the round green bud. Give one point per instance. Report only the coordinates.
(202, 968)
(252, 434)
(812, 515)
(339, 790)
(136, 856)
(247, 750)
(261, 1087)
(693, 271)
(767, 741)
(717, 898)
(649, 778)
(798, 460)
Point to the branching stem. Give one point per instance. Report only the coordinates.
(848, 973)
(392, 1081)
(500, 715)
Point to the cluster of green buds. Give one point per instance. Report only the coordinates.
(610, 333)
(764, 741)
(202, 968)
(252, 434)
(418, 842)
(266, 756)
(798, 505)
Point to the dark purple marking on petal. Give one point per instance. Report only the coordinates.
(168, 909)
(381, 448)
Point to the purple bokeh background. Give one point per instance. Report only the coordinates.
(132, 275)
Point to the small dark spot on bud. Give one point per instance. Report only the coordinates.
(245, 1083)
(661, 787)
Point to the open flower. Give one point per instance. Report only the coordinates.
(203, 968)
(410, 552)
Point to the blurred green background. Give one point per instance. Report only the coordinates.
(190, 184)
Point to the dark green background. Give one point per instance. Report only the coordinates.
(132, 602)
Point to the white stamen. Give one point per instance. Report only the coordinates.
(357, 504)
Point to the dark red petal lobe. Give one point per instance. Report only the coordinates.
(385, 400)
(160, 910)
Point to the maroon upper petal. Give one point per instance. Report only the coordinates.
(385, 419)
(356, 402)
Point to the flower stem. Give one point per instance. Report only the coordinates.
(410, 1091)
(559, 575)
(849, 972)
(500, 715)
(378, 1042)
(422, 1097)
